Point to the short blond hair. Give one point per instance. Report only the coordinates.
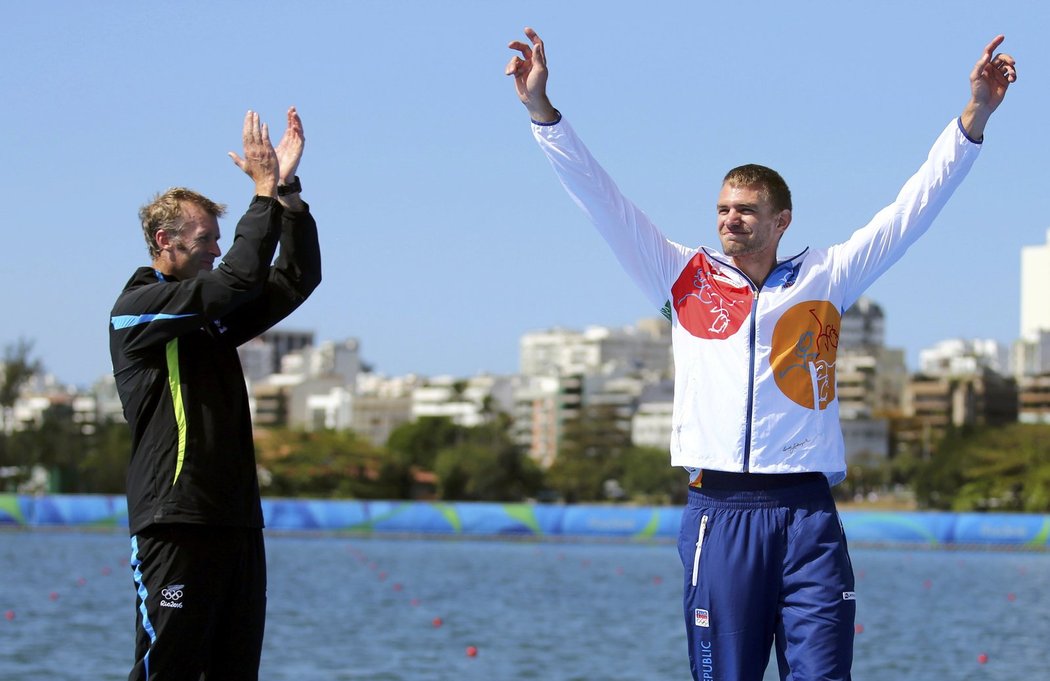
(165, 212)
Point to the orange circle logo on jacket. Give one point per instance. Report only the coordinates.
(804, 347)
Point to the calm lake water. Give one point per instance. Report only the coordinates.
(366, 608)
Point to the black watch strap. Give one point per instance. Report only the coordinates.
(293, 188)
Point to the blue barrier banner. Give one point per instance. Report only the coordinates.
(473, 519)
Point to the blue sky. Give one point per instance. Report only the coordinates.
(445, 235)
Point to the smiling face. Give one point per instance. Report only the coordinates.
(748, 225)
(181, 228)
(193, 247)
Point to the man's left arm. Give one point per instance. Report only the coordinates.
(989, 81)
(871, 250)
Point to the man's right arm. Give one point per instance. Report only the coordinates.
(644, 252)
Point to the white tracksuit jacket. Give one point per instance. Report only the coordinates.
(755, 369)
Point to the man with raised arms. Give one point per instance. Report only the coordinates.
(755, 416)
(194, 511)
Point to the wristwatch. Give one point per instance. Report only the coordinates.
(293, 188)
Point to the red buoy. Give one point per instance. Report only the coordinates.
(9, 615)
(982, 658)
(472, 651)
(437, 622)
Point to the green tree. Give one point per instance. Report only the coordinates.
(16, 369)
(591, 453)
(413, 448)
(937, 477)
(1008, 469)
(487, 466)
(649, 477)
(1003, 468)
(866, 472)
(322, 464)
(466, 472)
(417, 443)
(104, 467)
(56, 444)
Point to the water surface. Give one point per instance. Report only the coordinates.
(366, 608)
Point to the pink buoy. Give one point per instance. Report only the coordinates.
(53, 595)
(982, 659)
(472, 651)
(859, 628)
(9, 615)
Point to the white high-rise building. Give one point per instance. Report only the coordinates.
(1035, 291)
(1031, 352)
(964, 357)
(598, 350)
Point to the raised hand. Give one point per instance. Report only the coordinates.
(530, 77)
(260, 160)
(290, 148)
(991, 76)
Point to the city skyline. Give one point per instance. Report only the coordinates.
(641, 326)
(445, 236)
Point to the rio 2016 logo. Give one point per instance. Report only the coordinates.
(171, 596)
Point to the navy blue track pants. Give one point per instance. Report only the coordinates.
(765, 566)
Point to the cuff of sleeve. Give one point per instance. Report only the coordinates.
(549, 123)
(297, 210)
(963, 131)
(272, 200)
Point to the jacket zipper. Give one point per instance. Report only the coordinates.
(751, 381)
(699, 548)
(752, 340)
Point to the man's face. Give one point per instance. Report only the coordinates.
(747, 223)
(196, 247)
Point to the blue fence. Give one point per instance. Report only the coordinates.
(536, 520)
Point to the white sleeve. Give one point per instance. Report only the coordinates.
(875, 247)
(651, 260)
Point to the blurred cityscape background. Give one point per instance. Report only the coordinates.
(587, 418)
